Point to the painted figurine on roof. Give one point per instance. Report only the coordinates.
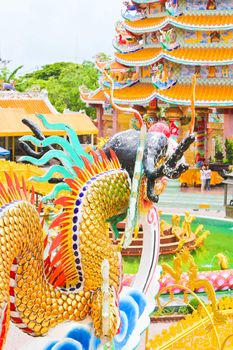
(168, 39)
(163, 78)
(124, 37)
(126, 42)
(133, 12)
(211, 5)
(122, 77)
(8, 86)
(172, 8)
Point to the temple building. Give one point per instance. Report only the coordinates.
(15, 106)
(159, 46)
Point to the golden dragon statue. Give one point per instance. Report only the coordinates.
(43, 284)
(30, 292)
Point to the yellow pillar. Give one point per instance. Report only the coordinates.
(6, 142)
(13, 148)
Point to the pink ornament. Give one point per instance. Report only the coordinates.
(160, 127)
(220, 280)
(174, 130)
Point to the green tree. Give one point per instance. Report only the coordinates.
(101, 56)
(229, 150)
(6, 75)
(218, 148)
(62, 81)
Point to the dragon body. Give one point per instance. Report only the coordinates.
(36, 294)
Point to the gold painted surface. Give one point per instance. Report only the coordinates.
(11, 122)
(39, 304)
(208, 327)
(26, 171)
(192, 177)
(195, 332)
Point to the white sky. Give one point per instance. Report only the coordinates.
(37, 32)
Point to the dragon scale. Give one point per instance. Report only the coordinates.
(38, 295)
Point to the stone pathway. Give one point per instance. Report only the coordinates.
(176, 198)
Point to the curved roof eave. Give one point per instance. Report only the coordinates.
(168, 56)
(176, 22)
(169, 96)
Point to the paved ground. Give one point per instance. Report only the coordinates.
(155, 328)
(178, 199)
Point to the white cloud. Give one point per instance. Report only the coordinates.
(36, 32)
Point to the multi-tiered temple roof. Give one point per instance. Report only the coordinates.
(166, 43)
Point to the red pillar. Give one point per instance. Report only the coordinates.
(100, 124)
(114, 121)
(174, 127)
(228, 123)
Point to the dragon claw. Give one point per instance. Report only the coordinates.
(179, 170)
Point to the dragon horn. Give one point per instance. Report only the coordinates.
(192, 124)
(122, 109)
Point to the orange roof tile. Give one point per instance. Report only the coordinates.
(138, 92)
(140, 57)
(99, 96)
(145, 24)
(11, 123)
(202, 55)
(206, 95)
(195, 22)
(117, 65)
(204, 21)
(93, 97)
(29, 105)
(184, 55)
